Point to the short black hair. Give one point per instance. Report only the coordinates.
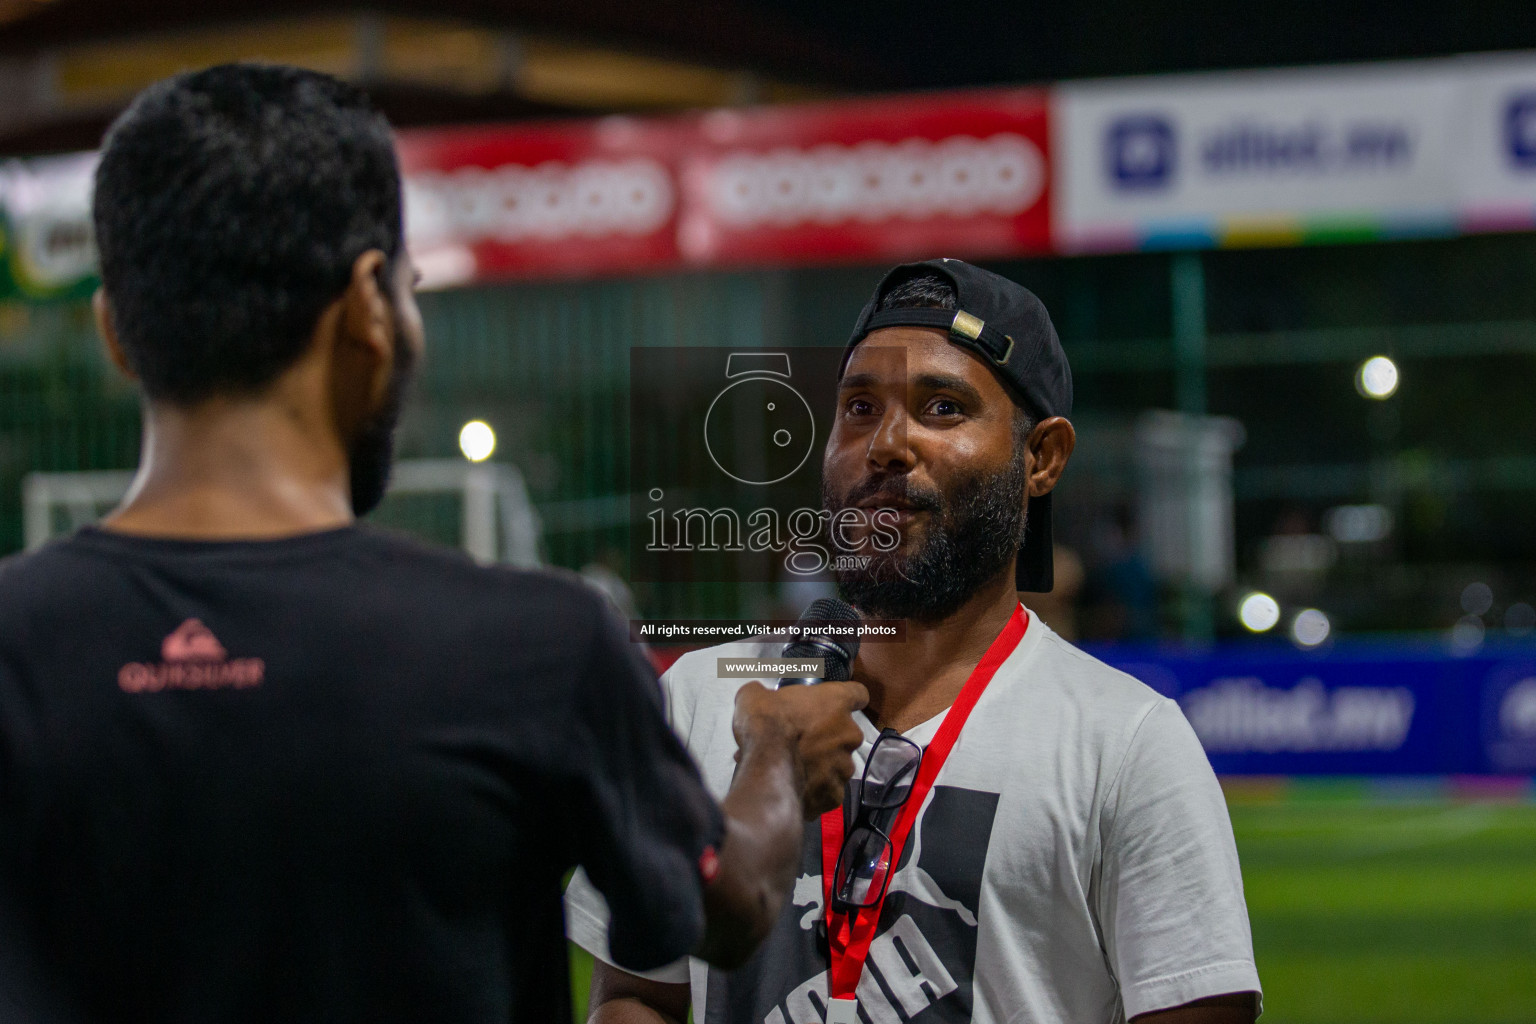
(921, 291)
(930, 291)
(230, 206)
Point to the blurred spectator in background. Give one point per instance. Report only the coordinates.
(1120, 596)
(1059, 608)
(1294, 559)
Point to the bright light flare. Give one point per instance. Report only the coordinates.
(1377, 378)
(477, 440)
(1310, 627)
(1258, 613)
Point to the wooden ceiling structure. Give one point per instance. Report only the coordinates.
(68, 66)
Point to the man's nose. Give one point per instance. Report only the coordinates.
(888, 448)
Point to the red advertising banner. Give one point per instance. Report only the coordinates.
(558, 200)
(961, 174)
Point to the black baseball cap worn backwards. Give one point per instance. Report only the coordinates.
(1008, 327)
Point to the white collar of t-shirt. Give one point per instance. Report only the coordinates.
(922, 734)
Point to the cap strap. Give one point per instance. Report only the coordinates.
(964, 329)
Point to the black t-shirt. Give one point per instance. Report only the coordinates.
(335, 777)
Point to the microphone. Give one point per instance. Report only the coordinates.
(837, 652)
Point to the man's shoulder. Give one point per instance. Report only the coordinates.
(1059, 671)
(394, 575)
(549, 591)
(29, 578)
(20, 568)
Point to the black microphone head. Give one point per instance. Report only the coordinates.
(839, 651)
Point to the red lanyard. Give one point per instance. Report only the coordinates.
(849, 935)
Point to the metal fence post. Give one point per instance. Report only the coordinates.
(1187, 284)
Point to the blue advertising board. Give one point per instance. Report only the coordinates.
(1354, 709)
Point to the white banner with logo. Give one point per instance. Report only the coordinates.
(1263, 156)
(1274, 157)
(1495, 149)
(47, 248)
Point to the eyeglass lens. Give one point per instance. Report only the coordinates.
(864, 864)
(890, 772)
(862, 868)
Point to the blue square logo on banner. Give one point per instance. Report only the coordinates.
(1520, 130)
(1141, 152)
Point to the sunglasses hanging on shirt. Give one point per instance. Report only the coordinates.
(865, 862)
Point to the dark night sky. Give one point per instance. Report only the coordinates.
(925, 43)
(836, 45)
(881, 44)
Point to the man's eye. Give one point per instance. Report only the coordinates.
(860, 407)
(945, 407)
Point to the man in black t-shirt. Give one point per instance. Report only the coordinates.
(258, 763)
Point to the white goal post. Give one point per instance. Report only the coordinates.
(498, 522)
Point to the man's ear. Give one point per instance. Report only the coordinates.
(1051, 443)
(101, 306)
(366, 311)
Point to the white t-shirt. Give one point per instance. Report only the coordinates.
(1073, 862)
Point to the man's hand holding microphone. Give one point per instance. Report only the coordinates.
(795, 748)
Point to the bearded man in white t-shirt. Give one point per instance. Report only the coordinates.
(1052, 845)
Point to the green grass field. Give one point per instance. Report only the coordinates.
(1380, 912)
(1391, 912)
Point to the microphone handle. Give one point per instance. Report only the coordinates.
(798, 681)
(831, 655)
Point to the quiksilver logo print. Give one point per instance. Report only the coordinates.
(193, 660)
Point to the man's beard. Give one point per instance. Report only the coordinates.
(372, 454)
(973, 533)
